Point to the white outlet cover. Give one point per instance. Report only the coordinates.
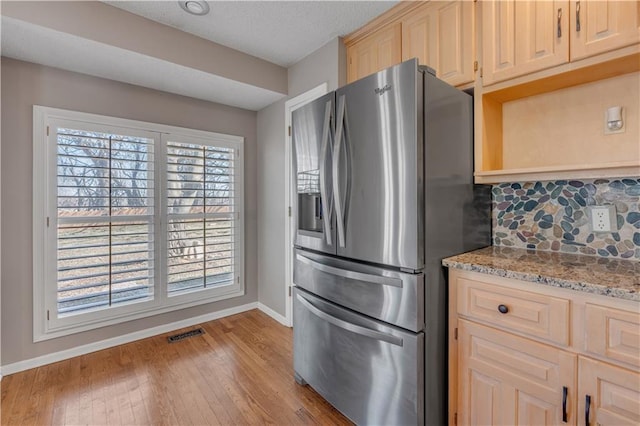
(603, 218)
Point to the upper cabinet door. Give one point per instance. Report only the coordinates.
(521, 37)
(498, 41)
(375, 52)
(599, 26)
(441, 35)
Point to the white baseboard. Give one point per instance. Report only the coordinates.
(120, 340)
(273, 314)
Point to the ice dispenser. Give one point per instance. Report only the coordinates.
(309, 202)
(310, 212)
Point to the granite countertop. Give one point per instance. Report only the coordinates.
(598, 275)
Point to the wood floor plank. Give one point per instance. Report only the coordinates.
(239, 372)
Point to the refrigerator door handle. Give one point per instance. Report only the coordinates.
(354, 275)
(336, 170)
(326, 217)
(363, 331)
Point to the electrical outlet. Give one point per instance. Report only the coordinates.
(603, 218)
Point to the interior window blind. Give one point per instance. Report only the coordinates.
(105, 226)
(201, 216)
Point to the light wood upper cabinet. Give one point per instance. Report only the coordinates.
(521, 37)
(375, 52)
(441, 35)
(600, 26)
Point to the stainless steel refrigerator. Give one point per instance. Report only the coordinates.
(384, 181)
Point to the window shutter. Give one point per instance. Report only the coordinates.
(105, 226)
(202, 216)
(131, 219)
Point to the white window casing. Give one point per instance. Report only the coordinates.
(131, 219)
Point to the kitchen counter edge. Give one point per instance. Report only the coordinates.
(618, 278)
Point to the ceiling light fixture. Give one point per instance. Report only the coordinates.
(195, 7)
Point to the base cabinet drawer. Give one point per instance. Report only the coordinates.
(537, 315)
(370, 371)
(613, 333)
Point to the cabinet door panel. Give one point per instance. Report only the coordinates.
(485, 399)
(505, 379)
(375, 52)
(521, 37)
(539, 44)
(440, 35)
(614, 392)
(534, 411)
(604, 25)
(498, 40)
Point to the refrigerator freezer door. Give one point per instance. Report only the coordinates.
(312, 135)
(388, 295)
(378, 174)
(370, 371)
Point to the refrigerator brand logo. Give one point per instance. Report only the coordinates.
(380, 90)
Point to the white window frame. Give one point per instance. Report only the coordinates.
(46, 324)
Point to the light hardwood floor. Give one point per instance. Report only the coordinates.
(239, 372)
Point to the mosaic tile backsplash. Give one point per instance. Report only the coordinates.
(553, 216)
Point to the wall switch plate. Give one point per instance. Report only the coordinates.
(603, 218)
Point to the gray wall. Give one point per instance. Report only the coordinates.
(327, 64)
(272, 217)
(25, 84)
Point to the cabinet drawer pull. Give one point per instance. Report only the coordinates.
(565, 392)
(578, 16)
(587, 409)
(559, 21)
(503, 309)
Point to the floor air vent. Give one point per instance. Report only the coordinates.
(186, 334)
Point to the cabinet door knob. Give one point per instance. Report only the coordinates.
(503, 309)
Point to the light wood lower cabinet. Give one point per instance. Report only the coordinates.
(613, 394)
(506, 366)
(509, 380)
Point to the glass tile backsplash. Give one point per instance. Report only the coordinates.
(553, 216)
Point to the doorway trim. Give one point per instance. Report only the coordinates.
(289, 106)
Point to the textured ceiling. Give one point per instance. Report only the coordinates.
(277, 31)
